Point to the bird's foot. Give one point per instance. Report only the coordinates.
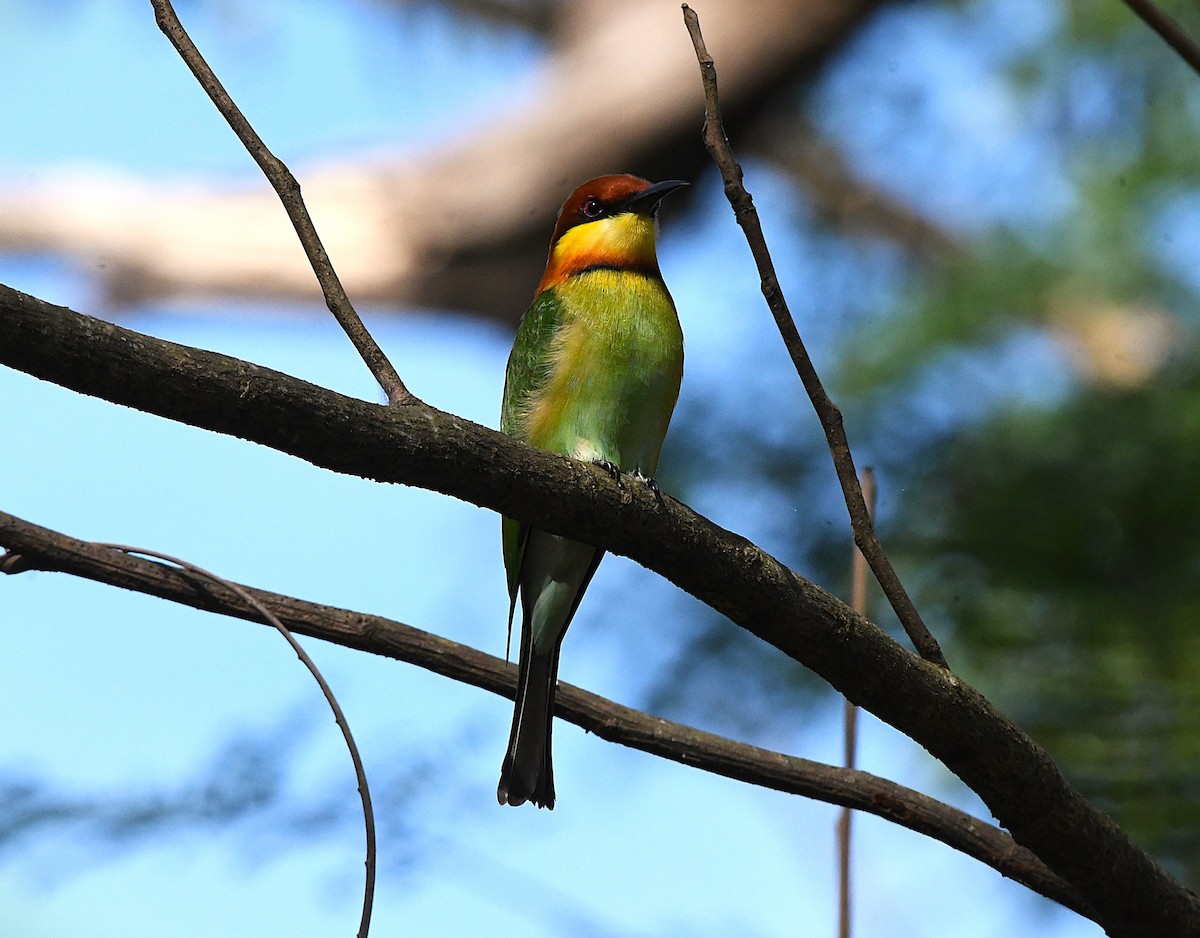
(612, 469)
(653, 486)
(617, 474)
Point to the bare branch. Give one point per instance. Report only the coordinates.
(41, 548)
(422, 446)
(1171, 32)
(858, 602)
(288, 190)
(828, 412)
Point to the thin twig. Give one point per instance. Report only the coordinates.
(1171, 32)
(32, 547)
(828, 413)
(858, 602)
(288, 190)
(359, 773)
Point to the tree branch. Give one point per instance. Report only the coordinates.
(828, 412)
(1171, 32)
(422, 446)
(858, 602)
(288, 190)
(32, 547)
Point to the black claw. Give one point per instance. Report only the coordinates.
(613, 470)
(617, 475)
(654, 487)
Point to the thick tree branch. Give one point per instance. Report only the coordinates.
(534, 15)
(33, 547)
(422, 446)
(827, 412)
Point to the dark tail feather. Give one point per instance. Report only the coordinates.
(527, 773)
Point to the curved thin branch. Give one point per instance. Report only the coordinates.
(828, 412)
(288, 190)
(420, 445)
(33, 547)
(265, 615)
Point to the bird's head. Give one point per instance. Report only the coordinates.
(609, 221)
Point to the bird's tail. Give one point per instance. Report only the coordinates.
(527, 773)
(555, 572)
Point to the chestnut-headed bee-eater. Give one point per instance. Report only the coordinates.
(594, 373)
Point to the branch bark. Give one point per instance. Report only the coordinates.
(33, 547)
(422, 446)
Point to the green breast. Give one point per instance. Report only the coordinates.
(596, 368)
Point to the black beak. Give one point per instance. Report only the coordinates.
(646, 201)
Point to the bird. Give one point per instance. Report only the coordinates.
(594, 374)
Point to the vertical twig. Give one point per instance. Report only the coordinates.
(858, 602)
(340, 718)
(1171, 32)
(827, 411)
(288, 190)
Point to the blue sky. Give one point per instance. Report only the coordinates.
(108, 692)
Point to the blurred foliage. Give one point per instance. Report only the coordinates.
(1066, 533)
(1067, 556)
(1051, 528)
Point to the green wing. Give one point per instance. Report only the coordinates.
(528, 370)
(529, 362)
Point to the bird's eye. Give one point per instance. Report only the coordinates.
(591, 208)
